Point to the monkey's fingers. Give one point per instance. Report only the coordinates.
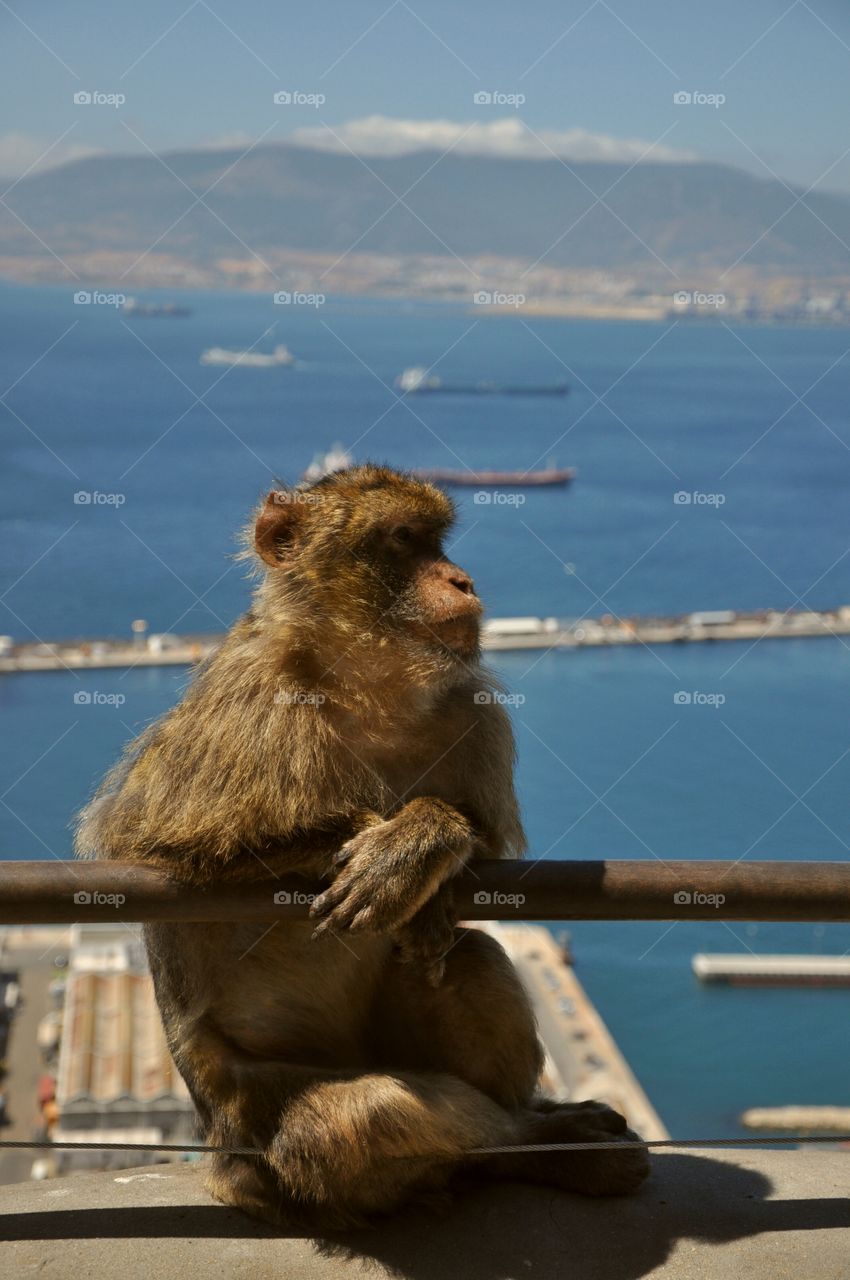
(345, 905)
(428, 960)
(344, 855)
(436, 971)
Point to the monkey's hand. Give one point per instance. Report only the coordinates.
(392, 869)
(427, 938)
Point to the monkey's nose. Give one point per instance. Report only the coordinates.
(460, 579)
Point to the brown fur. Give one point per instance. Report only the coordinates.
(337, 733)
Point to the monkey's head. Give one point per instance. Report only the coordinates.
(360, 553)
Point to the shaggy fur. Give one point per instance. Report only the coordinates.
(340, 731)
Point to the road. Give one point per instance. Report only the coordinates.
(35, 966)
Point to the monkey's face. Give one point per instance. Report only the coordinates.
(364, 550)
(430, 597)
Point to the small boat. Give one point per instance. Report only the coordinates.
(132, 307)
(418, 381)
(557, 476)
(279, 358)
(324, 464)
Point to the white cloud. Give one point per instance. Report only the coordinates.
(24, 152)
(384, 136)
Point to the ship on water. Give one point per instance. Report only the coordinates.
(281, 357)
(337, 458)
(558, 477)
(417, 380)
(133, 307)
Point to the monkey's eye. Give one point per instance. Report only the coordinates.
(403, 536)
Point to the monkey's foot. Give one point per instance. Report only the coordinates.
(607, 1172)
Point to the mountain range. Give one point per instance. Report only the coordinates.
(205, 204)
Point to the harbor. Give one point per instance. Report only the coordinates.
(146, 649)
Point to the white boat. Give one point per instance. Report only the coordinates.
(281, 356)
(417, 378)
(324, 464)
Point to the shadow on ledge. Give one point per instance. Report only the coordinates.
(144, 1220)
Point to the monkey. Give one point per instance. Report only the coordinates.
(346, 730)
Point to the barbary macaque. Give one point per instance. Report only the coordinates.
(336, 734)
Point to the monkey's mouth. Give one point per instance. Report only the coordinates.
(460, 633)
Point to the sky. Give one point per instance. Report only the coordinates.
(769, 82)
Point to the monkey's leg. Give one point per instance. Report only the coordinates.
(478, 1024)
(339, 1147)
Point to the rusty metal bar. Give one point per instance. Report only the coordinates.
(68, 892)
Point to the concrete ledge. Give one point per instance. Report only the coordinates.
(776, 1215)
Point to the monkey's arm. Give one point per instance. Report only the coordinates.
(394, 867)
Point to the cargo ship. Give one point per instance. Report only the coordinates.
(281, 357)
(133, 307)
(419, 381)
(553, 476)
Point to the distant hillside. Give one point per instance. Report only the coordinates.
(282, 197)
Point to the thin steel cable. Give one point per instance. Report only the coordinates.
(525, 1149)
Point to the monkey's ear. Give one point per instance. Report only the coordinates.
(277, 525)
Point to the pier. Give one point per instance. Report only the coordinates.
(582, 1059)
(773, 971)
(498, 634)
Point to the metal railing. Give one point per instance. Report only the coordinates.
(69, 892)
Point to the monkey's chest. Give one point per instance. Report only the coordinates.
(309, 1001)
(410, 768)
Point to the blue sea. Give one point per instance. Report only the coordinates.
(752, 425)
